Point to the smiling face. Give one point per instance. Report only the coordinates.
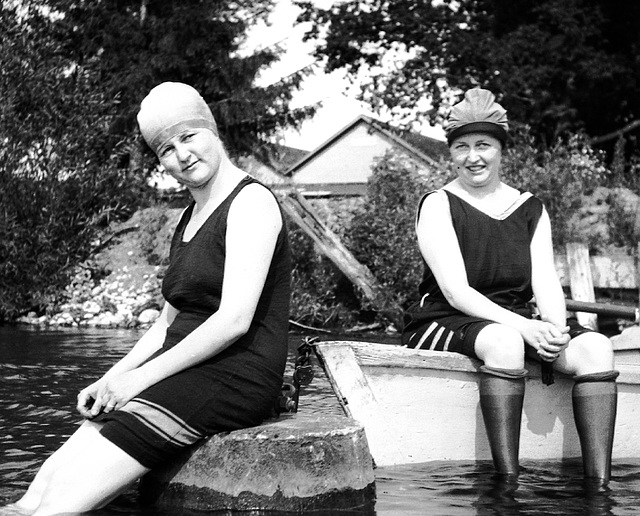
(477, 157)
(192, 157)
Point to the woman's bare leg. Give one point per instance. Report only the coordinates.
(30, 501)
(85, 473)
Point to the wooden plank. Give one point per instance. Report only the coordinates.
(357, 398)
(303, 214)
(352, 387)
(389, 355)
(617, 271)
(581, 281)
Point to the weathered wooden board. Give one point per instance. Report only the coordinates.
(615, 271)
(303, 214)
(581, 281)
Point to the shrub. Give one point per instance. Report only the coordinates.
(48, 222)
(321, 296)
(382, 234)
(559, 176)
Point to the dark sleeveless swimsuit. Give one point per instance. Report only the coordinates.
(236, 388)
(497, 258)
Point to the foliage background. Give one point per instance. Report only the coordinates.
(557, 66)
(380, 230)
(72, 75)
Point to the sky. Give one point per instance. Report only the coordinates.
(335, 92)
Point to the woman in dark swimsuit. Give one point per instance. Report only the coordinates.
(214, 359)
(487, 252)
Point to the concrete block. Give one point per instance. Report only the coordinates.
(296, 463)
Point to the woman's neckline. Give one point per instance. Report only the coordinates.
(191, 207)
(510, 206)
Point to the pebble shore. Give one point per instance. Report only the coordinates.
(125, 299)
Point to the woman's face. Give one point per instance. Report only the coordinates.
(477, 158)
(192, 157)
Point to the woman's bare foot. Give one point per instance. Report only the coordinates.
(13, 510)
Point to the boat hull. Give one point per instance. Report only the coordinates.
(420, 406)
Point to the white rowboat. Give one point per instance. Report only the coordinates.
(420, 406)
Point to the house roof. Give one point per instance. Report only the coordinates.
(425, 149)
(285, 156)
(269, 162)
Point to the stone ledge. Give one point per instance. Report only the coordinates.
(297, 463)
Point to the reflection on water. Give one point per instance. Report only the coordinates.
(41, 372)
(543, 488)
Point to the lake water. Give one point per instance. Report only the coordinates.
(41, 372)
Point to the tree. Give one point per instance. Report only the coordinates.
(72, 75)
(129, 46)
(558, 66)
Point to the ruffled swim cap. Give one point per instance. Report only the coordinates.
(478, 112)
(169, 109)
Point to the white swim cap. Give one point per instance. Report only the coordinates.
(169, 109)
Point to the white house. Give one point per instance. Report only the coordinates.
(342, 164)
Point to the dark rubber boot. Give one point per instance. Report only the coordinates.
(595, 401)
(501, 398)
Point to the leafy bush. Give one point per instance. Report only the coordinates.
(320, 296)
(559, 176)
(382, 233)
(47, 224)
(73, 74)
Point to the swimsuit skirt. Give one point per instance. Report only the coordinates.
(236, 388)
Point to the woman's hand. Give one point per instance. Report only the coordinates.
(556, 342)
(548, 339)
(109, 393)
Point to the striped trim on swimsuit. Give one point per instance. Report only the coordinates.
(162, 422)
(436, 337)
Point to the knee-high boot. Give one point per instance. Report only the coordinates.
(501, 398)
(595, 401)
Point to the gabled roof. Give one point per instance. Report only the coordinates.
(278, 157)
(423, 148)
(269, 162)
(287, 156)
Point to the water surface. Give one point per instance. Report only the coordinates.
(41, 372)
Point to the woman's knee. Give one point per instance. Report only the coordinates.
(500, 346)
(588, 353)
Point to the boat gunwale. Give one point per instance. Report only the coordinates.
(393, 356)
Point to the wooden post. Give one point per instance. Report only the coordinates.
(303, 214)
(637, 260)
(581, 281)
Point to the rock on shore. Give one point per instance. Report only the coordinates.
(115, 302)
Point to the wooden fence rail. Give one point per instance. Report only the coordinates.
(618, 271)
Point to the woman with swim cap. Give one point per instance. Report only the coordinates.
(487, 252)
(214, 360)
